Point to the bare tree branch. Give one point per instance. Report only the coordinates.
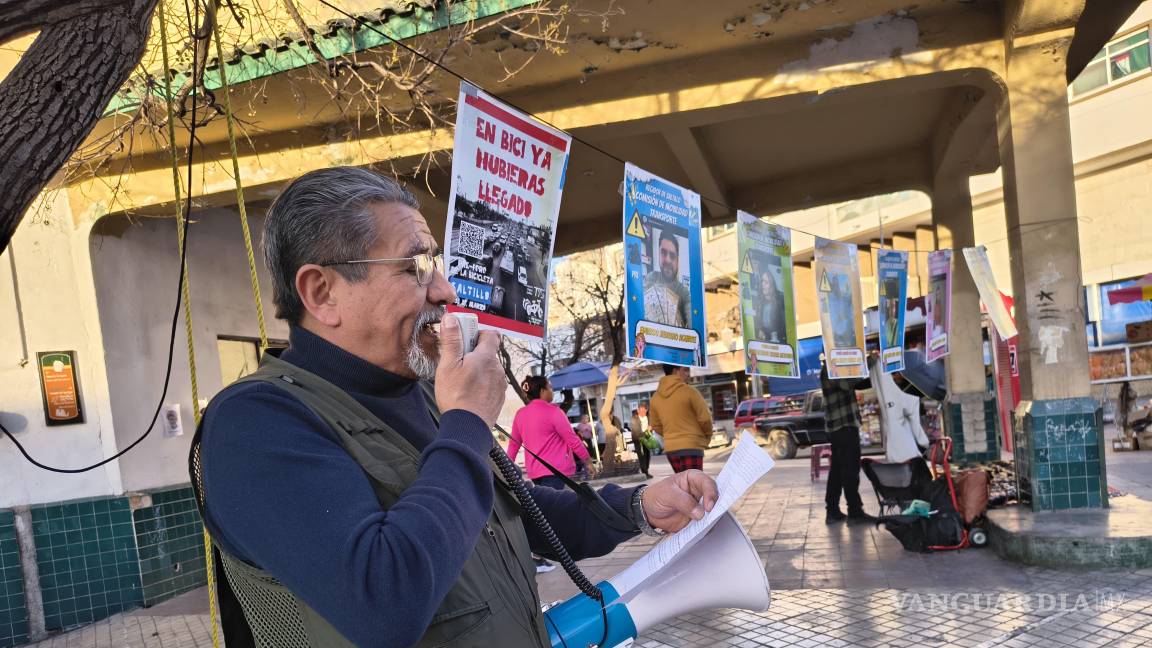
(506, 362)
(306, 34)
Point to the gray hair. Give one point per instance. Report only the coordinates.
(321, 217)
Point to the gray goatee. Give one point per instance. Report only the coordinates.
(418, 360)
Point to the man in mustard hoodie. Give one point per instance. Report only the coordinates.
(681, 416)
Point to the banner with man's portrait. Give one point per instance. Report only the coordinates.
(507, 180)
(663, 261)
(938, 329)
(892, 280)
(837, 269)
(767, 309)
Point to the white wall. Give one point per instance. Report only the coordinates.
(136, 271)
(59, 314)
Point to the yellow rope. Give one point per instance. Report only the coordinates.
(185, 294)
(221, 65)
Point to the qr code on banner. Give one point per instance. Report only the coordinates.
(470, 240)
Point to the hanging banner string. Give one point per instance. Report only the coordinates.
(576, 138)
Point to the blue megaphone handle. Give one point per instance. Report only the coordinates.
(578, 623)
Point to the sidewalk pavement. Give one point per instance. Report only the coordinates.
(832, 586)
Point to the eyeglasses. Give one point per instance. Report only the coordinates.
(424, 265)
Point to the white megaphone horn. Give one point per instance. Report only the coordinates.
(721, 570)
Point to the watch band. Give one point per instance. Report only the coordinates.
(638, 516)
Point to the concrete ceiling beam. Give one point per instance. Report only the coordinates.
(686, 148)
(885, 173)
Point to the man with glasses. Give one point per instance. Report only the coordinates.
(351, 501)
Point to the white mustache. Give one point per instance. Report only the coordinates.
(426, 317)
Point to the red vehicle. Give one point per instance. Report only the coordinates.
(749, 410)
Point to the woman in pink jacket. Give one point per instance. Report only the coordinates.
(543, 428)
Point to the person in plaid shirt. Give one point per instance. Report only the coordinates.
(842, 421)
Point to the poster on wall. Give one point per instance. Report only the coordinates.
(507, 181)
(173, 425)
(768, 314)
(938, 329)
(664, 287)
(59, 389)
(837, 271)
(892, 280)
(981, 269)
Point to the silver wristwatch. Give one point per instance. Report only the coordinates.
(638, 516)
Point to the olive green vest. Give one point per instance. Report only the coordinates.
(494, 601)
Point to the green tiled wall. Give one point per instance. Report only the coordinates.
(991, 423)
(170, 537)
(86, 552)
(13, 615)
(1062, 466)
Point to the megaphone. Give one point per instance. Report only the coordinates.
(721, 570)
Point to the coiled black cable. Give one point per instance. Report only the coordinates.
(512, 475)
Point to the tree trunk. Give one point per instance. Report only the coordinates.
(53, 98)
(506, 363)
(611, 432)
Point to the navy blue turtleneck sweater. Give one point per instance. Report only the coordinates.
(282, 494)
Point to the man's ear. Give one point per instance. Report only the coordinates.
(316, 286)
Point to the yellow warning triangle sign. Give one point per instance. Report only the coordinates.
(747, 265)
(825, 285)
(635, 227)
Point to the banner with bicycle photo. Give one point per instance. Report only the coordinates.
(664, 264)
(768, 314)
(507, 181)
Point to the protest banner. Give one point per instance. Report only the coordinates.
(507, 180)
(892, 284)
(663, 261)
(768, 312)
(981, 269)
(939, 305)
(841, 317)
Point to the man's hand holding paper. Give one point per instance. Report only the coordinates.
(671, 503)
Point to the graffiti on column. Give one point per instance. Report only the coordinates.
(1050, 332)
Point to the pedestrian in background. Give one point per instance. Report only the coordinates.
(601, 439)
(640, 436)
(584, 429)
(681, 416)
(842, 421)
(542, 428)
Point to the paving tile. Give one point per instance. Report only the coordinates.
(833, 586)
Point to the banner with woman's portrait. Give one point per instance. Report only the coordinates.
(767, 309)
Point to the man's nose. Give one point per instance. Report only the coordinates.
(440, 290)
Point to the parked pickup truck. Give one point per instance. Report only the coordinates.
(787, 432)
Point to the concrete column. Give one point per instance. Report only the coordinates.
(925, 243)
(805, 293)
(1058, 424)
(906, 242)
(33, 597)
(967, 416)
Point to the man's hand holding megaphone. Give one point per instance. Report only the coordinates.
(671, 503)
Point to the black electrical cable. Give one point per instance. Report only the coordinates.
(192, 21)
(512, 475)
